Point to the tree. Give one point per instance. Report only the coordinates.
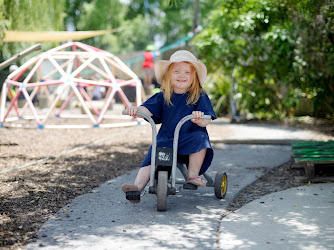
(141, 22)
(277, 51)
(29, 15)
(73, 11)
(166, 21)
(132, 20)
(101, 15)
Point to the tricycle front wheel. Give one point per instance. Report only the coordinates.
(162, 189)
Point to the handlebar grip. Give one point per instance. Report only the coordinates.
(138, 113)
(207, 117)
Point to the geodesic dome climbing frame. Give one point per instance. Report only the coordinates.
(60, 74)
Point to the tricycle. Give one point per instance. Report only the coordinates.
(163, 178)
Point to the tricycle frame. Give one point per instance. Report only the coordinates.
(220, 183)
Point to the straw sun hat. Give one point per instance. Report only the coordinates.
(161, 66)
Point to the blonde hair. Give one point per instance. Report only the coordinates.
(195, 89)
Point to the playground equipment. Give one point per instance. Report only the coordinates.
(60, 74)
(166, 161)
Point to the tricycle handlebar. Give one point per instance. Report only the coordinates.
(207, 117)
(176, 142)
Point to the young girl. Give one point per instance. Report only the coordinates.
(182, 94)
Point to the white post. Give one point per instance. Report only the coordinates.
(3, 101)
(138, 92)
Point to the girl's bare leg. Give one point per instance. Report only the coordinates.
(146, 79)
(143, 177)
(150, 80)
(195, 163)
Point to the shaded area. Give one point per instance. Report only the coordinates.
(190, 222)
(297, 218)
(32, 196)
(273, 180)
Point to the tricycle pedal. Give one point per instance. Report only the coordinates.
(132, 195)
(152, 190)
(171, 191)
(189, 186)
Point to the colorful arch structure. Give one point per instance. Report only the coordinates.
(60, 74)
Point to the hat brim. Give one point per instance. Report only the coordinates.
(161, 66)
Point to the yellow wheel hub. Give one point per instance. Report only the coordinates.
(223, 186)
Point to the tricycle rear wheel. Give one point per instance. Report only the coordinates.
(220, 185)
(162, 189)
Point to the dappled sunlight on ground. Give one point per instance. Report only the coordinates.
(302, 219)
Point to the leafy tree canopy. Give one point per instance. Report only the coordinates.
(29, 15)
(278, 52)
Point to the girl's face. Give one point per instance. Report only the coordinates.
(181, 77)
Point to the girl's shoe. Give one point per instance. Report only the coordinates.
(132, 192)
(196, 180)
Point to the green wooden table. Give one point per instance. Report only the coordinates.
(311, 153)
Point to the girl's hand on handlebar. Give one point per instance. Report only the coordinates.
(197, 120)
(131, 110)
